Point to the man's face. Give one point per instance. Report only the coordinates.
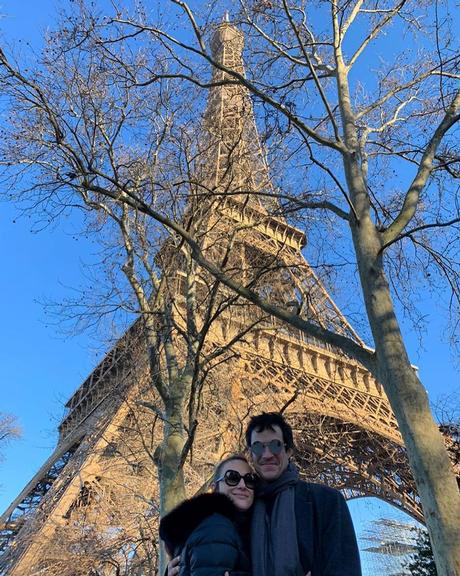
(269, 466)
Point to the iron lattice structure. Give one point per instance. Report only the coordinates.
(96, 496)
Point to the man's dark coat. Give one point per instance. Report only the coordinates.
(325, 533)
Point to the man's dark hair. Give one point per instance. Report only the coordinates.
(266, 421)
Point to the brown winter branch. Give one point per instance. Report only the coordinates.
(411, 232)
(313, 73)
(374, 33)
(350, 347)
(425, 168)
(402, 87)
(243, 81)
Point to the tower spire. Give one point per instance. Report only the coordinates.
(227, 45)
(236, 163)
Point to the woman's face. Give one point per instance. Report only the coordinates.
(241, 496)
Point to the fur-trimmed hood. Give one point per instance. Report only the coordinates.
(176, 527)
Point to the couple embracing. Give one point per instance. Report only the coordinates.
(272, 524)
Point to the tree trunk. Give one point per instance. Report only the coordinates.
(427, 454)
(170, 474)
(168, 454)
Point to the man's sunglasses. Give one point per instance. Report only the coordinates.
(275, 447)
(232, 478)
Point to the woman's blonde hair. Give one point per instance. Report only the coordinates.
(218, 469)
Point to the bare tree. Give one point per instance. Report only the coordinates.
(9, 429)
(90, 141)
(371, 130)
(374, 135)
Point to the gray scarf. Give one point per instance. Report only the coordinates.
(274, 546)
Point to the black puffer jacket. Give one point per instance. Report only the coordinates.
(205, 532)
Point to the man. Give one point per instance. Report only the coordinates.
(297, 527)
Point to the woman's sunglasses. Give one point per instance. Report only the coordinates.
(232, 478)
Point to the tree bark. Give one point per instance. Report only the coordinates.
(429, 461)
(430, 464)
(168, 455)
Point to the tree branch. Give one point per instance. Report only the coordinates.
(411, 232)
(349, 346)
(374, 33)
(425, 167)
(243, 81)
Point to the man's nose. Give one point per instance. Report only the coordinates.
(266, 451)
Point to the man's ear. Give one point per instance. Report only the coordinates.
(289, 452)
(214, 487)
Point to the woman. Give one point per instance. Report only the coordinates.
(211, 532)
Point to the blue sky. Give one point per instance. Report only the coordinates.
(41, 369)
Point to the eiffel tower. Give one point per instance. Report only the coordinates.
(97, 493)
